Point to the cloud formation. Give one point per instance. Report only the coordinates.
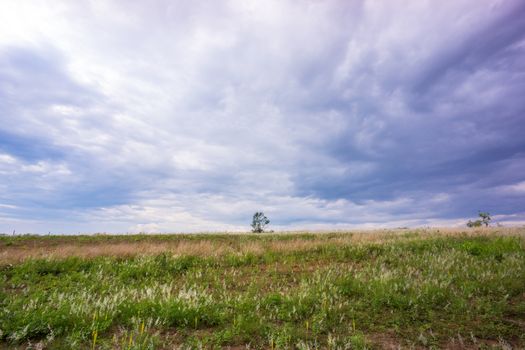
(171, 116)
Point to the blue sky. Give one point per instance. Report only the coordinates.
(176, 116)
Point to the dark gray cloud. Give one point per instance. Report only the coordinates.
(453, 124)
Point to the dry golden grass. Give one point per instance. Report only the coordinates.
(211, 247)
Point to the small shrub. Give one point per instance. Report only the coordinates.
(484, 220)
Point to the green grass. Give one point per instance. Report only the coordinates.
(413, 291)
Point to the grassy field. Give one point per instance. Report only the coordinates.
(383, 289)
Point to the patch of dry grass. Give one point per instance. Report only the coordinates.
(209, 246)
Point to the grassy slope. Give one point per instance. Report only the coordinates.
(304, 291)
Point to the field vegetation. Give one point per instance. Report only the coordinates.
(344, 290)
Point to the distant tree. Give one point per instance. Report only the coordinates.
(484, 220)
(259, 221)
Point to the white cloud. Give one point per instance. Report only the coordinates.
(517, 188)
(189, 117)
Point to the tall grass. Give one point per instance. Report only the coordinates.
(304, 291)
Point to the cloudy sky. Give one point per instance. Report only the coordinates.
(170, 116)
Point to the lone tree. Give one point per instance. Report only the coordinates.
(484, 220)
(259, 221)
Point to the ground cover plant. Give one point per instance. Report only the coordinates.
(344, 290)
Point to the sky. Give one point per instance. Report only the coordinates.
(184, 116)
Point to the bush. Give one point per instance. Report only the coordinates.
(476, 223)
(484, 220)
